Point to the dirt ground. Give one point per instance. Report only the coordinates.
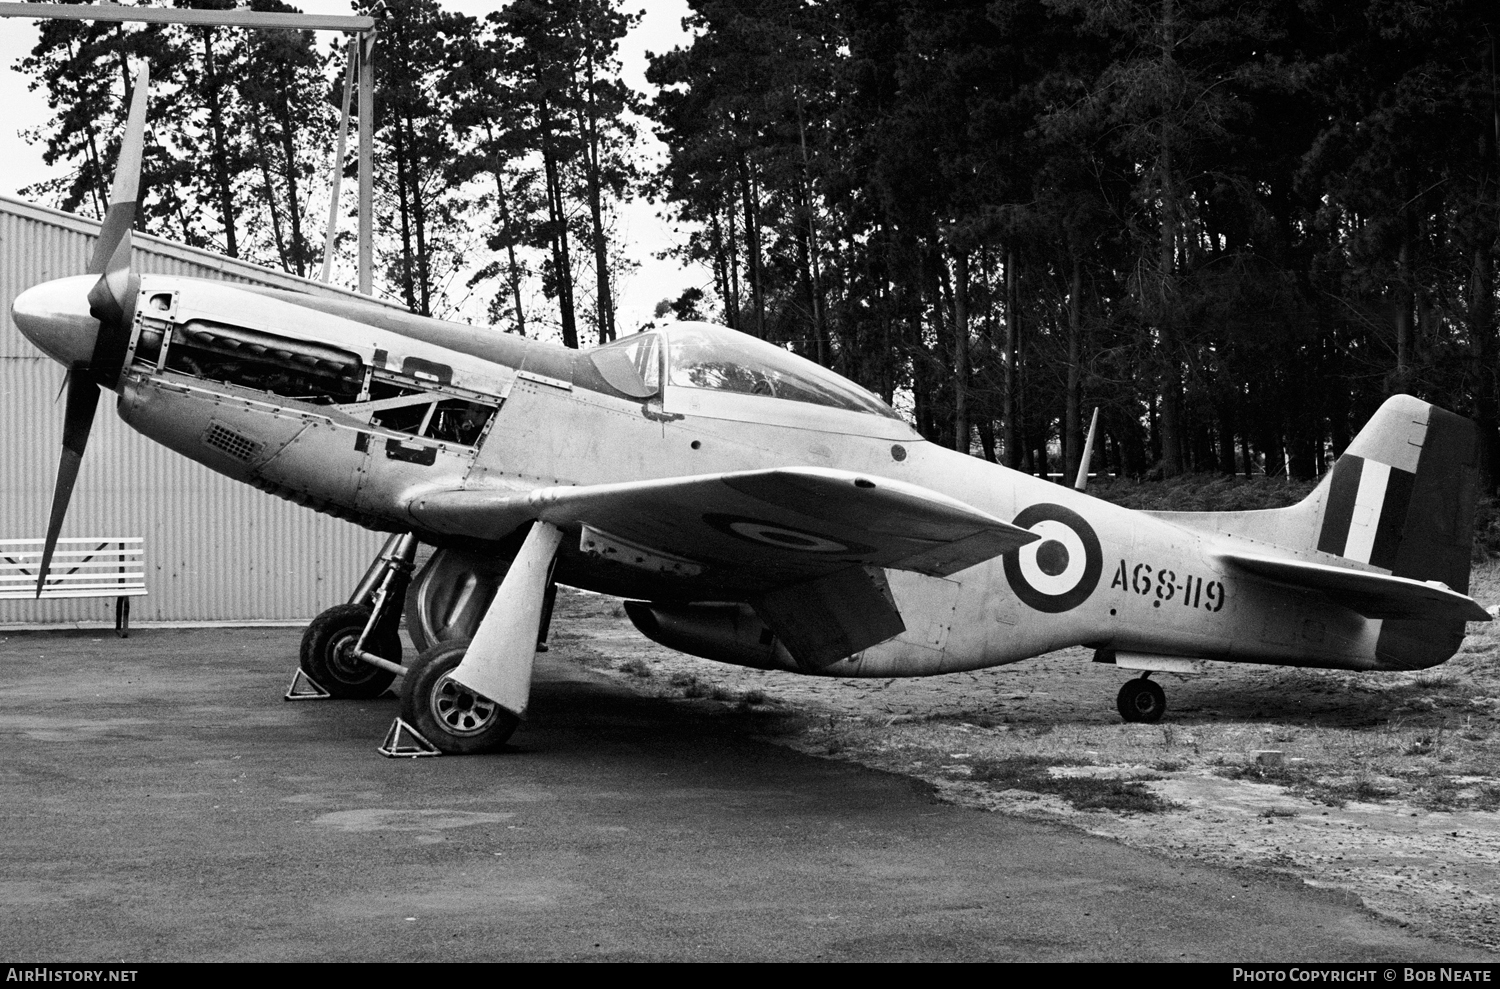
(1384, 785)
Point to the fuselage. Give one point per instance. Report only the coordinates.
(358, 410)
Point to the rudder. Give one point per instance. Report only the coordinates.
(1402, 498)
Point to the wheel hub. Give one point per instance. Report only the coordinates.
(460, 710)
(343, 661)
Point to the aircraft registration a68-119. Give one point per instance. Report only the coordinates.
(752, 507)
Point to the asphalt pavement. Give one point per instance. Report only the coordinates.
(159, 801)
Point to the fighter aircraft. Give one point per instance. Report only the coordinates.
(753, 507)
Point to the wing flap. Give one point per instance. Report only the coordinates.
(1374, 595)
(770, 528)
(822, 621)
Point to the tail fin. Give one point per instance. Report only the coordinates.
(1402, 498)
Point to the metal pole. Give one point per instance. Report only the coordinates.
(162, 15)
(366, 160)
(1088, 454)
(338, 163)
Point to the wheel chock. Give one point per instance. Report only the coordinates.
(305, 688)
(405, 742)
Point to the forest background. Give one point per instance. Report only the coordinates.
(1233, 228)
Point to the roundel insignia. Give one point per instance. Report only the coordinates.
(781, 536)
(1061, 569)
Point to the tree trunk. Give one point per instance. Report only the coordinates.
(1401, 317)
(589, 126)
(507, 227)
(1072, 402)
(219, 148)
(1011, 373)
(961, 351)
(289, 178)
(562, 264)
(752, 245)
(815, 286)
(408, 288)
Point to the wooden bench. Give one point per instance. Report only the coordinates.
(94, 567)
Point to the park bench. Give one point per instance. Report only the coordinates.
(93, 567)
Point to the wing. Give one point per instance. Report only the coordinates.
(804, 545)
(770, 528)
(1374, 595)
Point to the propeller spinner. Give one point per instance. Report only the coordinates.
(83, 322)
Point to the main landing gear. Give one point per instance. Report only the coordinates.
(468, 689)
(1142, 700)
(353, 650)
(469, 695)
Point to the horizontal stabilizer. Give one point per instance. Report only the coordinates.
(1374, 595)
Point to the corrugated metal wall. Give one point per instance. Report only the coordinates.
(215, 550)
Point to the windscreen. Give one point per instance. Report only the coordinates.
(701, 355)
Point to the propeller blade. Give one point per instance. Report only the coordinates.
(125, 192)
(112, 299)
(78, 420)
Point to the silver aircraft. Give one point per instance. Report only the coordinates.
(752, 507)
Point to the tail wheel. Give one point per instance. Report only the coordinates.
(328, 659)
(1142, 701)
(446, 713)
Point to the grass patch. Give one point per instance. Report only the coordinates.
(637, 668)
(1424, 745)
(1033, 773)
(1299, 781)
(752, 699)
(690, 685)
(1362, 789)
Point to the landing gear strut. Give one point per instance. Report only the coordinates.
(1142, 700)
(353, 650)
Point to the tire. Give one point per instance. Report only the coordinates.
(447, 714)
(344, 676)
(1142, 701)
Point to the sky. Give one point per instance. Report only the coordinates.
(643, 230)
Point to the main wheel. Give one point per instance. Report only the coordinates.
(448, 714)
(326, 657)
(1142, 701)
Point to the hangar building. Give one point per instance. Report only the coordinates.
(214, 549)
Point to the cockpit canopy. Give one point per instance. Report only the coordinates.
(715, 358)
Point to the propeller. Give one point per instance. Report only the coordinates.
(112, 303)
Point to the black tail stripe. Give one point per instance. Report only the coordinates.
(1398, 490)
(1435, 542)
(1342, 491)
